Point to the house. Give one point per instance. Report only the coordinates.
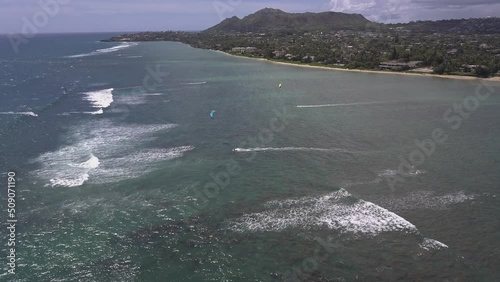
(398, 66)
(484, 46)
(243, 50)
(468, 68)
(279, 54)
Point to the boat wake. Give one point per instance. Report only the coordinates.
(155, 94)
(19, 113)
(283, 149)
(425, 200)
(196, 83)
(339, 105)
(105, 50)
(98, 112)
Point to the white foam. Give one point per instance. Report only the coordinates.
(338, 105)
(429, 244)
(154, 94)
(101, 98)
(69, 181)
(241, 150)
(425, 200)
(19, 113)
(100, 151)
(105, 50)
(337, 210)
(114, 171)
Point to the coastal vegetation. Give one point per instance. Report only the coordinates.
(453, 47)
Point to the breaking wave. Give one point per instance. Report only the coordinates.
(100, 99)
(338, 210)
(103, 152)
(429, 244)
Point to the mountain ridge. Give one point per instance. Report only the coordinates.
(269, 19)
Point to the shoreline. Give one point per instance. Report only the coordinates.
(460, 77)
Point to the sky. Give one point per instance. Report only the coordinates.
(49, 16)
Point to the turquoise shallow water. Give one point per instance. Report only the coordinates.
(127, 178)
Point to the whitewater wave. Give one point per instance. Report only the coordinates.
(115, 151)
(429, 244)
(19, 113)
(338, 105)
(92, 163)
(100, 99)
(105, 50)
(305, 149)
(338, 210)
(74, 175)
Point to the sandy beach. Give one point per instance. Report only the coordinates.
(461, 77)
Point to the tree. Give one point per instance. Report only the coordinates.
(439, 69)
(394, 55)
(482, 71)
(268, 54)
(308, 60)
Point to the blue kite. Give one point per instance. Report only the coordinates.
(212, 114)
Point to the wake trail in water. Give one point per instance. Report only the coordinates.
(292, 149)
(19, 113)
(340, 105)
(104, 51)
(196, 83)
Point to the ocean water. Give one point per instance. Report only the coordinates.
(123, 176)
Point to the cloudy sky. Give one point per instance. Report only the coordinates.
(139, 15)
